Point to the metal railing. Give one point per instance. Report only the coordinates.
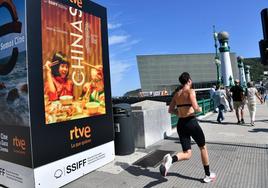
(206, 104)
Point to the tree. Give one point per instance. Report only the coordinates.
(256, 68)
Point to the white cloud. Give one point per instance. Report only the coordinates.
(114, 26)
(120, 42)
(128, 45)
(118, 70)
(118, 39)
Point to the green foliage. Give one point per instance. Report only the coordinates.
(256, 68)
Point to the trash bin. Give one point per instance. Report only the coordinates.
(123, 126)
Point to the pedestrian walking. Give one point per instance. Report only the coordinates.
(211, 93)
(184, 105)
(221, 102)
(229, 98)
(251, 94)
(237, 93)
(263, 92)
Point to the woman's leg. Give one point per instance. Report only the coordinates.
(199, 137)
(204, 155)
(185, 155)
(210, 176)
(253, 116)
(185, 140)
(253, 113)
(250, 112)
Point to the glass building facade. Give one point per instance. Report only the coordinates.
(159, 72)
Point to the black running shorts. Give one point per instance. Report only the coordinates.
(188, 127)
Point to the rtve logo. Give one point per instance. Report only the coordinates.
(79, 3)
(19, 143)
(77, 132)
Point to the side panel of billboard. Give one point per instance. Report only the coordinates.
(15, 142)
(14, 175)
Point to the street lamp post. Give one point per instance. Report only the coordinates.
(247, 73)
(242, 77)
(218, 63)
(226, 65)
(216, 59)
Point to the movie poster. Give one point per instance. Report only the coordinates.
(14, 103)
(72, 63)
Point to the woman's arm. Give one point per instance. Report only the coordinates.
(194, 102)
(258, 96)
(51, 86)
(172, 105)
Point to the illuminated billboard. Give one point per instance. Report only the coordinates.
(55, 93)
(72, 63)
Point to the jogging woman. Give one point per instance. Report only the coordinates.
(184, 105)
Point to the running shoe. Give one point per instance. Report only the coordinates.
(210, 178)
(167, 161)
(242, 121)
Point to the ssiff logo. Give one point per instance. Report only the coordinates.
(79, 3)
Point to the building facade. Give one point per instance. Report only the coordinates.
(159, 72)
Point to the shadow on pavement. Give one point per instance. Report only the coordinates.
(172, 138)
(208, 121)
(238, 145)
(263, 120)
(177, 140)
(215, 122)
(256, 130)
(185, 177)
(137, 171)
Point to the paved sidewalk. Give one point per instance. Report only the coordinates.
(238, 154)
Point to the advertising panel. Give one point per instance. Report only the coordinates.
(15, 143)
(55, 93)
(72, 63)
(70, 92)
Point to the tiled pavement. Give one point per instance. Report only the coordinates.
(238, 154)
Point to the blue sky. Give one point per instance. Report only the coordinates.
(175, 26)
(143, 27)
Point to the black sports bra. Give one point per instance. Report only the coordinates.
(182, 105)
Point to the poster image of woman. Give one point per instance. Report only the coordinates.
(56, 72)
